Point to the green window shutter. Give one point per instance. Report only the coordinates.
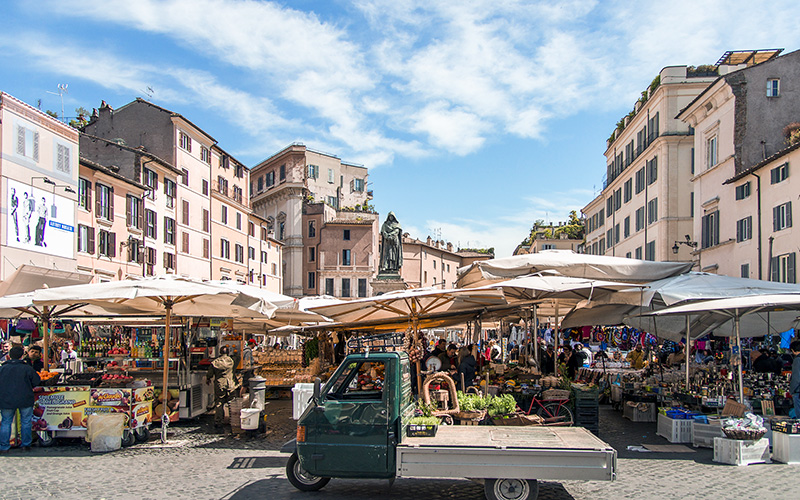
(790, 266)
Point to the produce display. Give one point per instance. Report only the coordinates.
(284, 368)
(502, 405)
(472, 402)
(749, 427)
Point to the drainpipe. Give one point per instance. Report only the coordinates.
(769, 263)
(758, 210)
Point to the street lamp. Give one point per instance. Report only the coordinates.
(689, 243)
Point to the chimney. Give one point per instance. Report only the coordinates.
(428, 241)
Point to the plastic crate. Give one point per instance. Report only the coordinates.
(785, 425)
(703, 434)
(786, 447)
(639, 412)
(301, 396)
(674, 430)
(741, 452)
(584, 392)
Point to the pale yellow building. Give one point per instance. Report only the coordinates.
(264, 255)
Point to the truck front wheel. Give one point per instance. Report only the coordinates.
(300, 478)
(511, 489)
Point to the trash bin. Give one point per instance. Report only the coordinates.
(258, 392)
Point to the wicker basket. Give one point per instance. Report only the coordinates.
(743, 435)
(556, 394)
(471, 415)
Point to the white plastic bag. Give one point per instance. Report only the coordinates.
(105, 432)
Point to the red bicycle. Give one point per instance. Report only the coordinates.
(552, 407)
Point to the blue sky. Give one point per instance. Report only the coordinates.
(475, 118)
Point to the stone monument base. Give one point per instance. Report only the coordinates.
(387, 283)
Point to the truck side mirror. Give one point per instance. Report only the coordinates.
(317, 388)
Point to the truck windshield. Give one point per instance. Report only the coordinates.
(359, 380)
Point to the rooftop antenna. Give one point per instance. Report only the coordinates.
(62, 89)
(149, 92)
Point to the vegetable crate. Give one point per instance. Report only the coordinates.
(639, 412)
(675, 430)
(741, 452)
(786, 447)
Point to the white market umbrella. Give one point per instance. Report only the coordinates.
(169, 295)
(735, 308)
(288, 310)
(568, 263)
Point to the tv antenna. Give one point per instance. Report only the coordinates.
(62, 89)
(149, 92)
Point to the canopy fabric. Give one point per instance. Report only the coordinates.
(288, 310)
(28, 278)
(538, 287)
(414, 303)
(736, 306)
(568, 263)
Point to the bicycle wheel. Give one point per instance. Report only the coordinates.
(557, 413)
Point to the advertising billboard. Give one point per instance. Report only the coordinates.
(40, 220)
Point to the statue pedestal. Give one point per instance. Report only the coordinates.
(387, 283)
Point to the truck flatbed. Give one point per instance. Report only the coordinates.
(530, 452)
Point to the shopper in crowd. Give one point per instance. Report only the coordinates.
(448, 358)
(5, 347)
(636, 358)
(17, 380)
(761, 361)
(440, 348)
(68, 354)
(587, 355)
(548, 359)
(221, 371)
(34, 358)
(676, 358)
(466, 367)
(794, 383)
(574, 362)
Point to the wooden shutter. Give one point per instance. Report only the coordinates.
(773, 176)
(773, 269)
(139, 213)
(789, 214)
(111, 203)
(36, 146)
(90, 241)
(185, 212)
(88, 195)
(98, 196)
(128, 211)
(185, 242)
(112, 244)
(775, 218)
(20, 140)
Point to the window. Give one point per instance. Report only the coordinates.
(263, 233)
(743, 191)
(269, 179)
(151, 224)
(150, 178)
(282, 173)
(639, 218)
(312, 229)
(313, 171)
(251, 253)
(104, 202)
(62, 159)
(691, 204)
(362, 287)
(28, 143)
(184, 177)
(312, 254)
(358, 185)
(628, 189)
(345, 287)
(206, 248)
(346, 257)
(135, 253)
(107, 244)
(616, 234)
(169, 260)
(150, 260)
(169, 230)
(744, 229)
(652, 128)
(239, 221)
(610, 237)
(206, 221)
(773, 87)
(331, 176)
(85, 239)
(222, 185)
(626, 227)
(779, 174)
(640, 180)
(186, 142)
(610, 204)
(745, 271)
(224, 249)
(617, 199)
(710, 230)
(652, 210)
(251, 229)
(602, 248)
(711, 152)
(185, 212)
(312, 280)
(638, 253)
(169, 190)
(347, 235)
(224, 214)
(205, 155)
(260, 183)
(239, 253)
(782, 268)
(650, 251)
(205, 187)
(224, 162)
(601, 218)
(628, 255)
(263, 257)
(85, 194)
(329, 286)
(782, 216)
(185, 242)
(652, 170)
(133, 211)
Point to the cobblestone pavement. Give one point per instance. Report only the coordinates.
(196, 464)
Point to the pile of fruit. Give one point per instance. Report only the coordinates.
(46, 375)
(116, 379)
(118, 351)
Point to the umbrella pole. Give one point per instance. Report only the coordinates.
(46, 335)
(686, 350)
(415, 325)
(739, 346)
(165, 380)
(556, 338)
(536, 337)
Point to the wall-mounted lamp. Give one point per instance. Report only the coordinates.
(44, 179)
(689, 243)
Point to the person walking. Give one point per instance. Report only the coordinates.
(794, 383)
(221, 371)
(34, 358)
(17, 380)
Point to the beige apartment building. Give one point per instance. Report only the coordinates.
(296, 177)
(39, 176)
(229, 218)
(264, 255)
(744, 181)
(110, 229)
(429, 263)
(646, 202)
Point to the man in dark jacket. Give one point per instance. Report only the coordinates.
(221, 371)
(794, 383)
(17, 380)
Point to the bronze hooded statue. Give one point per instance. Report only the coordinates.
(391, 246)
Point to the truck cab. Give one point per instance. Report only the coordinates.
(352, 427)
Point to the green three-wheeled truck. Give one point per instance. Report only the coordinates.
(355, 427)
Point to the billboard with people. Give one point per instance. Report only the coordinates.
(40, 220)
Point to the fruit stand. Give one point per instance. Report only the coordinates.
(63, 411)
